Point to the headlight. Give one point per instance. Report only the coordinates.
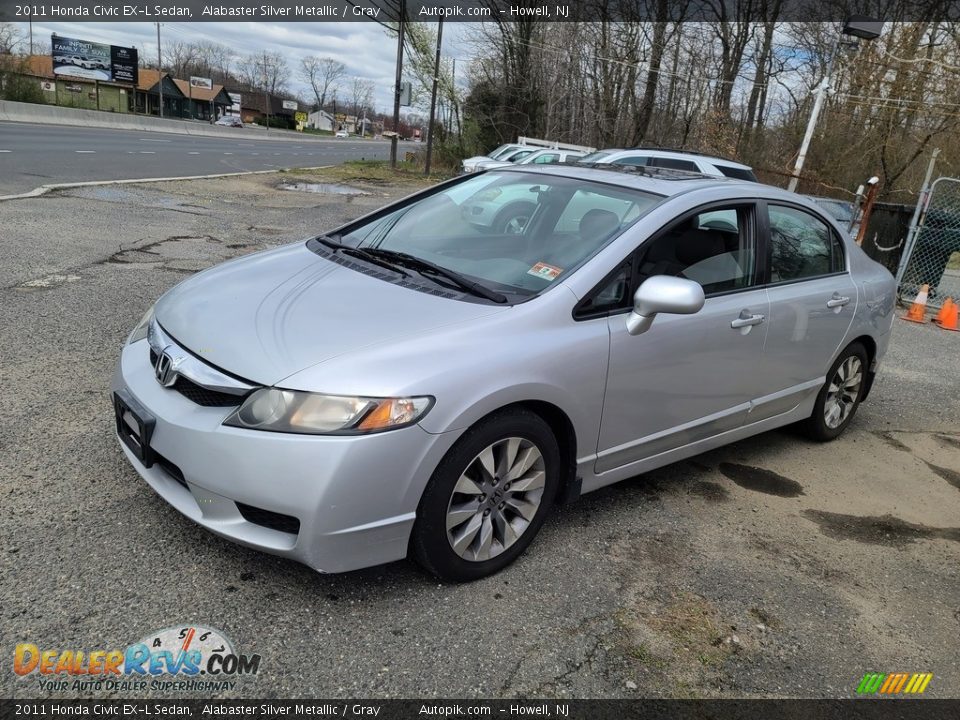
(312, 414)
(140, 331)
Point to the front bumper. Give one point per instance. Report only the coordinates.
(355, 497)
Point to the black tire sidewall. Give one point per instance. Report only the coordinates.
(429, 544)
(817, 425)
(512, 210)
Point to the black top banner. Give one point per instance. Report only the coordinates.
(446, 709)
(387, 11)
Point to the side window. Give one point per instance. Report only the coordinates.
(801, 245)
(674, 164)
(838, 260)
(632, 160)
(714, 248)
(612, 295)
(547, 158)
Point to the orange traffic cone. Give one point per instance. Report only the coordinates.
(919, 307)
(947, 317)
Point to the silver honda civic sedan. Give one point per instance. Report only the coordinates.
(428, 380)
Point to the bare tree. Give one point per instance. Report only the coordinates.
(361, 95)
(321, 74)
(265, 71)
(10, 38)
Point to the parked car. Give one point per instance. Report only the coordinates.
(341, 134)
(672, 159)
(544, 156)
(469, 165)
(229, 121)
(469, 381)
(843, 211)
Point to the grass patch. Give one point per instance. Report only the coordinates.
(641, 653)
(954, 262)
(377, 173)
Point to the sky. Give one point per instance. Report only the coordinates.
(366, 48)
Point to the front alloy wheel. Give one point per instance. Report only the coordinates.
(495, 499)
(488, 497)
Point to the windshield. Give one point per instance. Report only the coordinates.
(503, 149)
(512, 232)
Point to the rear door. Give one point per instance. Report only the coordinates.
(812, 303)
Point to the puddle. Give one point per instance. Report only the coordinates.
(709, 490)
(885, 530)
(760, 480)
(324, 188)
(951, 476)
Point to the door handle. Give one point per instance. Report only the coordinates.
(746, 319)
(837, 301)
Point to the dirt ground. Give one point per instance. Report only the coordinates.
(773, 567)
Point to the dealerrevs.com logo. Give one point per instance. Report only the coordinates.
(182, 658)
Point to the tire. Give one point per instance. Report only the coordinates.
(493, 520)
(825, 424)
(513, 219)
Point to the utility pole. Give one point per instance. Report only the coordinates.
(433, 98)
(396, 89)
(31, 34)
(159, 71)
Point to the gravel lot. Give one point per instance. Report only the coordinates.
(772, 567)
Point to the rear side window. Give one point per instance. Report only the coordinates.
(801, 246)
(633, 160)
(674, 164)
(736, 173)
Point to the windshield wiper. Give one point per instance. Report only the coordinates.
(362, 253)
(426, 267)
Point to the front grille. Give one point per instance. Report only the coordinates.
(199, 394)
(269, 519)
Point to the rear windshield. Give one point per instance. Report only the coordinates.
(736, 173)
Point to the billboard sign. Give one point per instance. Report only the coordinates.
(235, 98)
(289, 104)
(201, 82)
(93, 61)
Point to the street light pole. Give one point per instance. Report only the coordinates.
(396, 89)
(159, 71)
(857, 26)
(433, 99)
(821, 92)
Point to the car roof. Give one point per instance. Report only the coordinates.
(675, 154)
(660, 181)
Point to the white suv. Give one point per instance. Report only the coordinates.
(673, 159)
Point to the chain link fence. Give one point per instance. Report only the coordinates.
(932, 254)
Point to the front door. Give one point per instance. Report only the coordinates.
(688, 377)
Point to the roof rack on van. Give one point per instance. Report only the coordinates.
(553, 144)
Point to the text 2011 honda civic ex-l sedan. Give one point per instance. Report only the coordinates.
(430, 379)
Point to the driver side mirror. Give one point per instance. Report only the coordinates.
(663, 294)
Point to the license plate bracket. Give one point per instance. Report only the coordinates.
(134, 426)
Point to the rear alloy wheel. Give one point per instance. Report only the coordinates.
(513, 219)
(840, 397)
(488, 497)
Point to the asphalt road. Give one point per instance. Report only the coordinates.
(770, 567)
(32, 155)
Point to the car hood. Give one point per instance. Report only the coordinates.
(267, 316)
